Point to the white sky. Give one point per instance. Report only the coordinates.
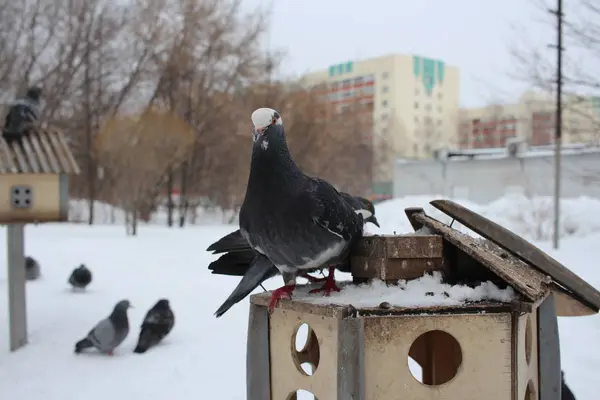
(475, 35)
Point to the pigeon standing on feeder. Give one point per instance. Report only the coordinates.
(157, 324)
(80, 277)
(297, 222)
(23, 113)
(109, 333)
(238, 261)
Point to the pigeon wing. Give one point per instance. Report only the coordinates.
(103, 335)
(331, 211)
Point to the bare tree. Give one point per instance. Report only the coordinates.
(140, 151)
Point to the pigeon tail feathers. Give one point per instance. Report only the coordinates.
(260, 270)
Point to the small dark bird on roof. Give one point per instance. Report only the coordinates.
(32, 269)
(297, 222)
(80, 277)
(239, 259)
(23, 113)
(157, 324)
(567, 394)
(109, 333)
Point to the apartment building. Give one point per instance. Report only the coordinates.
(413, 102)
(531, 118)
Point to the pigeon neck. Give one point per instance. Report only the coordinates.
(119, 318)
(272, 162)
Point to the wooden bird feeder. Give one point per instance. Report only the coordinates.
(479, 350)
(34, 179)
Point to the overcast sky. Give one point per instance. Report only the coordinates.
(475, 35)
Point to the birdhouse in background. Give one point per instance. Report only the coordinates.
(34, 187)
(504, 349)
(34, 177)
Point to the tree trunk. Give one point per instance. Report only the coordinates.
(183, 203)
(170, 205)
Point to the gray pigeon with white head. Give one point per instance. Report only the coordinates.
(109, 333)
(297, 222)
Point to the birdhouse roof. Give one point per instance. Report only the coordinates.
(511, 258)
(42, 151)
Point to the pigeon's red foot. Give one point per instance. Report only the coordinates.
(329, 285)
(282, 292)
(110, 353)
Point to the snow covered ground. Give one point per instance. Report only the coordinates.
(204, 357)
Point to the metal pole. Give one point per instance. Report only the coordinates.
(17, 306)
(558, 126)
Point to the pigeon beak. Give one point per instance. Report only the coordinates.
(131, 306)
(373, 220)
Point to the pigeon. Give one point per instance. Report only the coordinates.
(296, 221)
(156, 325)
(109, 332)
(239, 260)
(32, 269)
(566, 393)
(80, 277)
(236, 242)
(22, 113)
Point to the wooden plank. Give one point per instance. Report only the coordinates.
(393, 269)
(522, 249)
(548, 351)
(22, 162)
(567, 306)
(513, 271)
(17, 305)
(10, 165)
(59, 152)
(400, 246)
(351, 359)
(74, 167)
(49, 153)
(30, 155)
(258, 362)
(41, 156)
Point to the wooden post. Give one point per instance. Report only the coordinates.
(17, 307)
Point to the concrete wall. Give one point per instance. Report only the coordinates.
(484, 180)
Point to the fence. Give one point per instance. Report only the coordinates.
(484, 179)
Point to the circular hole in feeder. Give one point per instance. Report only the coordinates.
(530, 393)
(438, 355)
(27, 201)
(17, 201)
(27, 191)
(302, 395)
(17, 191)
(528, 339)
(305, 349)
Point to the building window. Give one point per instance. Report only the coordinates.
(439, 108)
(384, 103)
(384, 89)
(384, 75)
(367, 90)
(358, 80)
(334, 85)
(440, 96)
(416, 105)
(384, 116)
(416, 119)
(427, 107)
(415, 148)
(346, 83)
(417, 92)
(439, 121)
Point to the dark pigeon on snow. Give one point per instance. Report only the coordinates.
(23, 113)
(566, 393)
(239, 259)
(109, 333)
(32, 269)
(80, 277)
(297, 222)
(157, 324)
